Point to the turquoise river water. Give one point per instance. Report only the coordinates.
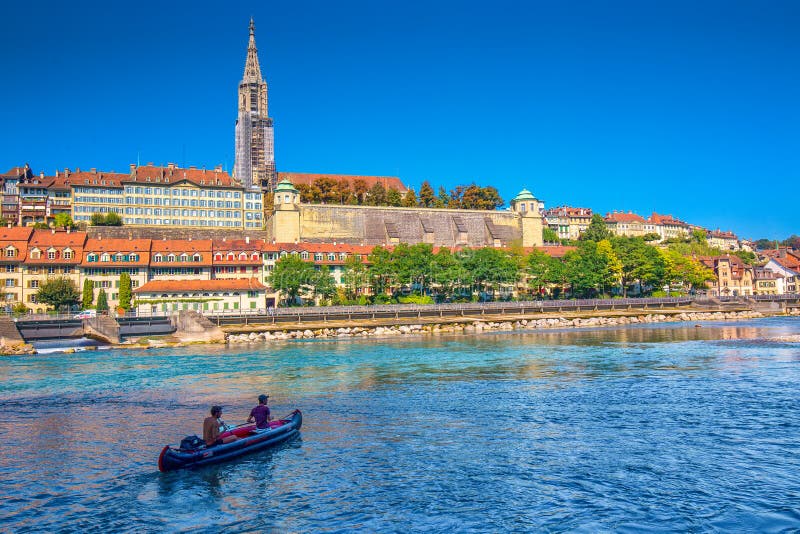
(663, 427)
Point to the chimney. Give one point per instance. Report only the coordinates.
(218, 168)
(170, 166)
(133, 168)
(77, 169)
(149, 163)
(247, 239)
(41, 174)
(66, 172)
(52, 230)
(93, 170)
(69, 228)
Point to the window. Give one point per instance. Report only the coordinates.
(11, 252)
(34, 284)
(68, 254)
(197, 258)
(243, 255)
(171, 257)
(218, 256)
(158, 257)
(105, 257)
(51, 254)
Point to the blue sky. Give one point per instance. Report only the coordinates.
(684, 108)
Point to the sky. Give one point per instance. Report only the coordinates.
(687, 108)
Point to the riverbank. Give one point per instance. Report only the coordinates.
(484, 324)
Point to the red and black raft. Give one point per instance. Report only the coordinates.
(184, 456)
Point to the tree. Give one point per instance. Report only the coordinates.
(324, 284)
(88, 294)
(393, 198)
(376, 195)
(113, 219)
(289, 276)
(640, 262)
(381, 270)
(456, 195)
(793, 241)
(443, 199)
(354, 276)
(426, 196)
(489, 268)
(360, 189)
(699, 236)
(4, 222)
(102, 301)
(610, 276)
(125, 291)
(542, 270)
(597, 230)
(412, 265)
(19, 309)
(684, 271)
(409, 199)
(63, 220)
(40, 226)
(549, 235)
(446, 271)
(58, 292)
(652, 236)
(327, 191)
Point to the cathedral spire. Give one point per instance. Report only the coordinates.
(252, 70)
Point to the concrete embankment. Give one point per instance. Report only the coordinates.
(477, 325)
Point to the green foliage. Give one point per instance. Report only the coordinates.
(699, 236)
(125, 291)
(110, 219)
(376, 195)
(641, 262)
(88, 294)
(323, 283)
(597, 230)
(102, 301)
(793, 241)
(683, 271)
(354, 276)
(426, 195)
(592, 268)
(416, 299)
(549, 235)
(652, 236)
(290, 275)
(394, 198)
(63, 220)
(746, 256)
(4, 221)
(410, 199)
(58, 293)
(40, 226)
(19, 309)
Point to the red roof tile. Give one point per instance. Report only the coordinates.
(624, 217)
(233, 284)
(173, 175)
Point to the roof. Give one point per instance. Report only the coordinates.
(568, 211)
(620, 217)
(233, 284)
(67, 179)
(524, 195)
(172, 175)
(666, 219)
(57, 238)
(181, 245)
(113, 246)
(389, 182)
(15, 233)
(285, 185)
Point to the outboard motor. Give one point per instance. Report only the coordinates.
(192, 443)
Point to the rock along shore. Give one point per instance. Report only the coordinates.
(478, 326)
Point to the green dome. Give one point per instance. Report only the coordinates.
(285, 186)
(524, 195)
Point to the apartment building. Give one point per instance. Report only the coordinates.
(722, 240)
(568, 222)
(629, 224)
(51, 254)
(13, 251)
(733, 277)
(104, 260)
(668, 227)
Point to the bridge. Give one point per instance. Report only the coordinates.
(102, 327)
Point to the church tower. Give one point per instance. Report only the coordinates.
(254, 163)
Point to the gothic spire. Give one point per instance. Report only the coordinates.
(252, 70)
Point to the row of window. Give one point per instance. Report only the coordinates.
(182, 222)
(183, 202)
(181, 192)
(106, 257)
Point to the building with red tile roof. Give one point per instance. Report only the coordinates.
(214, 296)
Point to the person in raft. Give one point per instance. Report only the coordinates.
(260, 414)
(211, 429)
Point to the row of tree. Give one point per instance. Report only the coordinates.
(326, 190)
(619, 265)
(61, 293)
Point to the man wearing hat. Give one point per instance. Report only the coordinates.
(261, 414)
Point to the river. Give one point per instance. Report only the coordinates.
(663, 427)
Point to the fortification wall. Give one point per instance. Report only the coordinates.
(371, 225)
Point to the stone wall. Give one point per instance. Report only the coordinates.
(371, 225)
